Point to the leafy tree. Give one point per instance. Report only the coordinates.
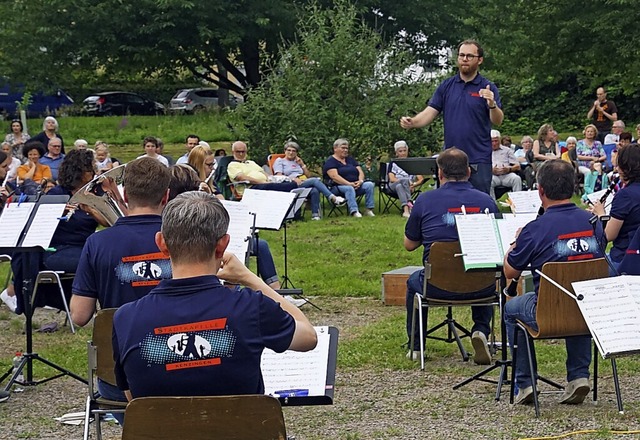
(338, 80)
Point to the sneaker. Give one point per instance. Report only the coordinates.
(576, 391)
(298, 302)
(482, 355)
(414, 355)
(369, 213)
(4, 396)
(338, 201)
(524, 396)
(10, 301)
(356, 214)
(315, 217)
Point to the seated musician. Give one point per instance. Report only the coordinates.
(630, 264)
(292, 166)
(241, 169)
(563, 233)
(432, 220)
(215, 335)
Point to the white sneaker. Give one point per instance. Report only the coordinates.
(298, 302)
(414, 355)
(338, 201)
(356, 214)
(10, 301)
(315, 217)
(369, 213)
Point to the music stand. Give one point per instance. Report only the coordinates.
(38, 211)
(418, 166)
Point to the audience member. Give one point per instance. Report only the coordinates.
(370, 169)
(103, 159)
(505, 166)
(80, 144)
(616, 129)
(191, 141)
(13, 162)
(220, 152)
(160, 151)
(596, 180)
(221, 354)
(401, 182)
(589, 150)
(292, 166)
(523, 155)
(603, 112)
(31, 174)
(114, 160)
(53, 157)
(563, 233)
(545, 148)
(150, 145)
(347, 178)
(16, 138)
(505, 141)
(625, 208)
(432, 219)
(49, 131)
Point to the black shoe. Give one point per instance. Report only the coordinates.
(4, 396)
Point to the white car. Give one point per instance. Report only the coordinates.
(191, 100)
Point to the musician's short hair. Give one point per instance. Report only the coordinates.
(192, 225)
(73, 167)
(454, 164)
(183, 178)
(557, 178)
(146, 181)
(628, 161)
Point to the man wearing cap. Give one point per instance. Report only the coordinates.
(505, 165)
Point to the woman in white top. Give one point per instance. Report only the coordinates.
(401, 182)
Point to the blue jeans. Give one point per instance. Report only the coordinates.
(523, 308)
(350, 194)
(481, 175)
(266, 266)
(481, 315)
(317, 187)
(111, 392)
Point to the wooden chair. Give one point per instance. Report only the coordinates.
(445, 270)
(101, 364)
(558, 317)
(255, 417)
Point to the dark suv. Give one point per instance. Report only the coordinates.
(120, 103)
(190, 100)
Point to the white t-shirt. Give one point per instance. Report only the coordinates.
(163, 160)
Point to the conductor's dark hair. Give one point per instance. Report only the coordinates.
(454, 164)
(629, 162)
(557, 179)
(73, 167)
(475, 43)
(33, 145)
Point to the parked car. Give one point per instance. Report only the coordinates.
(190, 100)
(42, 104)
(120, 103)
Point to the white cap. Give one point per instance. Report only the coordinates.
(495, 134)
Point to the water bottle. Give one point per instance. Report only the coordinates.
(17, 359)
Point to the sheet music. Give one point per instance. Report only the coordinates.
(479, 241)
(240, 224)
(293, 370)
(508, 226)
(270, 207)
(14, 219)
(44, 225)
(302, 194)
(525, 201)
(596, 196)
(612, 313)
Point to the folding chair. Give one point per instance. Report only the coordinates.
(221, 176)
(271, 159)
(54, 277)
(101, 364)
(255, 417)
(445, 271)
(558, 316)
(387, 198)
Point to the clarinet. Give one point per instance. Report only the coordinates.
(612, 187)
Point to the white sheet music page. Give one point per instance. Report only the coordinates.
(297, 371)
(240, 224)
(479, 241)
(611, 313)
(270, 207)
(44, 225)
(525, 201)
(14, 219)
(301, 194)
(508, 226)
(596, 196)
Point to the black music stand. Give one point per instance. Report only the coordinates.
(29, 357)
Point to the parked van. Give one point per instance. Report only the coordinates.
(42, 104)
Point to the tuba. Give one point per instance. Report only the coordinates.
(104, 200)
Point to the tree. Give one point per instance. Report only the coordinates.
(339, 79)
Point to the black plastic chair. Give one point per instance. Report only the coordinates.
(387, 198)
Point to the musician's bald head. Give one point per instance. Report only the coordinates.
(453, 164)
(556, 179)
(194, 228)
(146, 183)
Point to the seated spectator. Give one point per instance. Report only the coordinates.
(226, 358)
(114, 161)
(545, 148)
(589, 150)
(103, 159)
(370, 169)
(292, 166)
(241, 169)
(504, 166)
(161, 153)
(13, 163)
(80, 144)
(523, 155)
(595, 181)
(505, 141)
(150, 145)
(220, 152)
(400, 182)
(347, 178)
(616, 129)
(53, 157)
(31, 173)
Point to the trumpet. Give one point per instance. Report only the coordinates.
(106, 200)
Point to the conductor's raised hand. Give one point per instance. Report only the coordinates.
(487, 94)
(233, 270)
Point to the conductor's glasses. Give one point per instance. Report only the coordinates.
(467, 56)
